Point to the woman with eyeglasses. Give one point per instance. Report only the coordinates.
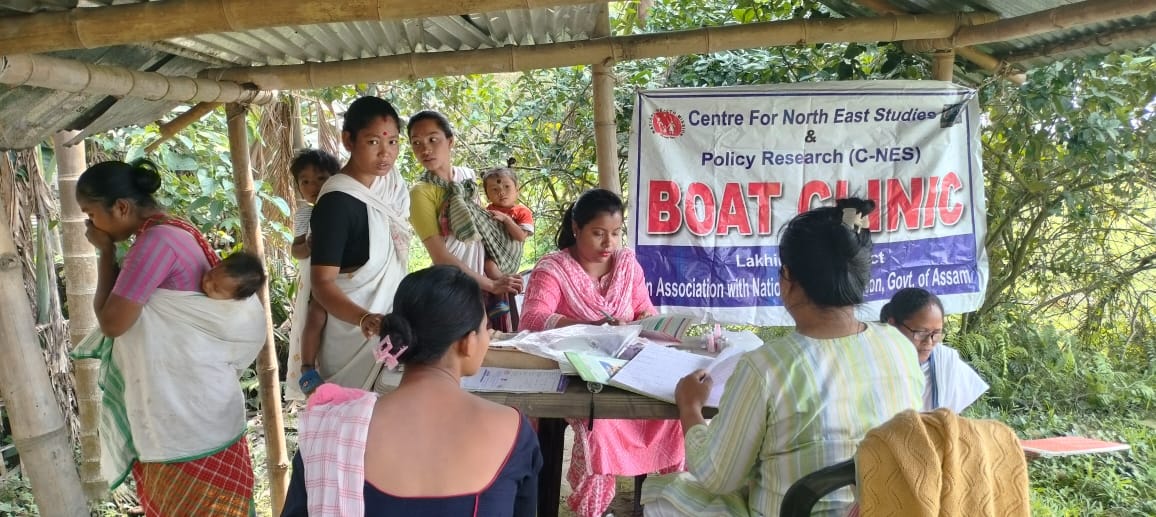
(951, 383)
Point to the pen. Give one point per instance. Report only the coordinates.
(609, 318)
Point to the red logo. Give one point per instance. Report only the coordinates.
(667, 124)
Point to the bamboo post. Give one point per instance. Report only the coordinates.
(38, 429)
(296, 129)
(75, 76)
(92, 27)
(605, 134)
(943, 65)
(277, 460)
(80, 288)
(171, 128)
(578, 53)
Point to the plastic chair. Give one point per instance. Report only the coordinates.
(804, 493)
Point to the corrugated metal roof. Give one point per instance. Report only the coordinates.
(29, 115)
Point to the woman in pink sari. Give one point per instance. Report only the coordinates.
(592, 280)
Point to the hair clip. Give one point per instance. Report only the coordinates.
(853, 220)
(384, 353)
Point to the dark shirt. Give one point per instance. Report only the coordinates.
(513, 492)
(340, 225)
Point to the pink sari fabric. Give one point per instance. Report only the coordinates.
(560, 288)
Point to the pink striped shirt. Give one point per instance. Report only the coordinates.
(163, 257)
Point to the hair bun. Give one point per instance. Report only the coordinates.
(510, 162)
(863, 206)
(398, 330)
(146, 176)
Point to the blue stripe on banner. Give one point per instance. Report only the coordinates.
(748, 276)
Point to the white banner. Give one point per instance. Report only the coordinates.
(716, 172)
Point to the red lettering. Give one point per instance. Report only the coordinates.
(733, 211)
(874, 193)
(902, 205)
(813, 189)
(929, 205)
(950, 184)
(663, 217)
(841, 189)
(699, 225)
(763, 193)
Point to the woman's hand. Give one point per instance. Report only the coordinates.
(98, 238)
(693, 390)
(509, 284)
(370, 325)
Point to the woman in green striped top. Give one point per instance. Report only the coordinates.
(801, 402)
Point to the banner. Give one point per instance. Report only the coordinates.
(717, 172)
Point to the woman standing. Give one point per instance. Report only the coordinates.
(445, 201)
(360, 246)
(592, 280)
(801, 402)
(951, 383)
(175, 410)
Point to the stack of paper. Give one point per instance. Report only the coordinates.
(512, 380)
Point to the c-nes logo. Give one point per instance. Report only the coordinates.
(667, 124)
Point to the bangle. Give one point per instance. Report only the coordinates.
(361, 321)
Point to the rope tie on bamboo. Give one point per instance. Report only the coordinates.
(894, 28)
(805, 36)
(708, 33)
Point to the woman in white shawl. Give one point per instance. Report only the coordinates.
(360, 246)
(951, 383)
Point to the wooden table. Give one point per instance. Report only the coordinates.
(552, 410)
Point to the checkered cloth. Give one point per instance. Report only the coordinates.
(331, 440)
(220, 485)
(469, 221)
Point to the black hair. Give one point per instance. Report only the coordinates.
(365, 110)
(246, 269)
(906, 303)
(589, 205)
(829, 259)
(441, 120)
(433, 308)
(316, 158)
(106, 182)
(507, 171)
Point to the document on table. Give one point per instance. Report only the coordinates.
(513, 380)
(656, 370)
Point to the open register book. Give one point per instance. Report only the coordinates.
(656, 370)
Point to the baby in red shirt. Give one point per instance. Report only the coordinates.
(501, 187)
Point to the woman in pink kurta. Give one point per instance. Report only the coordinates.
(592, 280)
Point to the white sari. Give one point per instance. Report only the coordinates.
(346, 356)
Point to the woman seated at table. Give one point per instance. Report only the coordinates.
(950, 382)
(394, 454)
(592, 280)
(800, 402)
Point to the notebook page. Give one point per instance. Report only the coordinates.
(656, 370)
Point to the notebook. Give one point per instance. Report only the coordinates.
(1070, 445)
(656, 370)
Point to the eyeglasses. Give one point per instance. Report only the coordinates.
(921, 335)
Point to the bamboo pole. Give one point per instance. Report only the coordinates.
(38, 429)
(78, 77)
(641, 46)
(171, 128)
(277, 460)
(984, 60)
(1049, 20)
(943, 65)
(296, 129)
(92, 27)
(80, 288)
(605, 128)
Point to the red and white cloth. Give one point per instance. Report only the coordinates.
(333, 430)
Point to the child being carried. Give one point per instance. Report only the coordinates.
(501, 186)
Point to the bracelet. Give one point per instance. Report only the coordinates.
(361, 321)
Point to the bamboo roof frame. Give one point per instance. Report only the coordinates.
(1048, 20)
(132, 23)
(600, 50)
(76, 76)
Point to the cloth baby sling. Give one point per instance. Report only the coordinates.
(469, 221)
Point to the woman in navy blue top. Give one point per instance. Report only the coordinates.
(431, 448)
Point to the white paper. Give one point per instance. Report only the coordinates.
(656, 370)
(514, 380)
